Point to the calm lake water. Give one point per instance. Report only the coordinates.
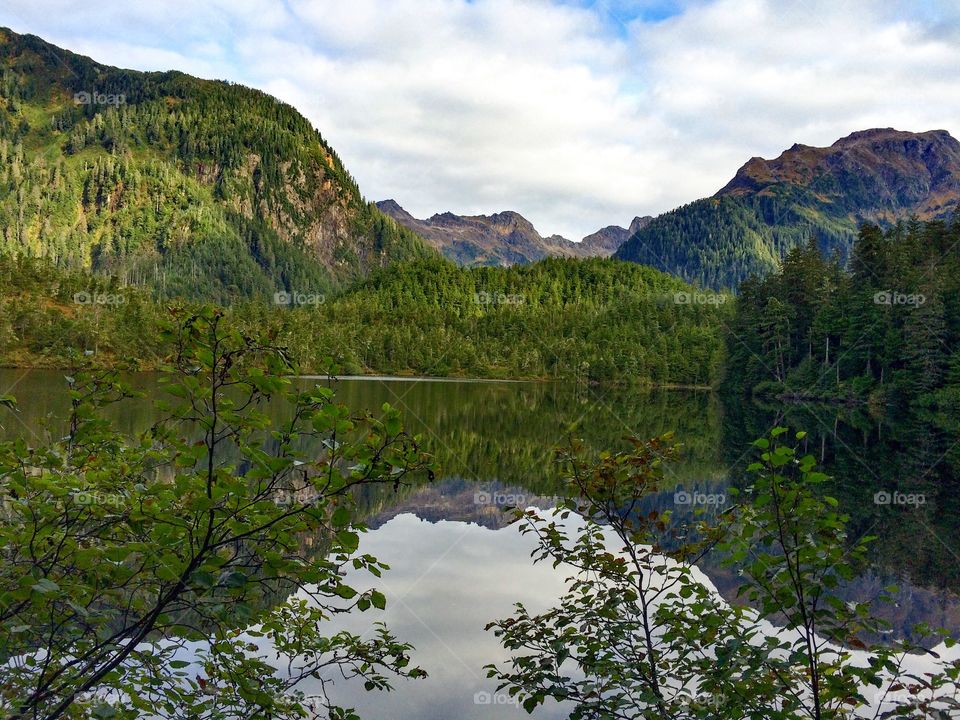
(457, 564)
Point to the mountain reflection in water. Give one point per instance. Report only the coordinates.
(456, 565)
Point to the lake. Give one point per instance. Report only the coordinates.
(457, 563)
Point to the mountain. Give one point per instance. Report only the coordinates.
(194, 187)
(770, 206)
(610, 238)
(505, 238)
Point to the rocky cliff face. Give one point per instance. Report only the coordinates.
(879, 174)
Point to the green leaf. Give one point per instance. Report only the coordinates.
(341, 517)
(234, 579)
(349, 541)
(45, 586)
(345, 591)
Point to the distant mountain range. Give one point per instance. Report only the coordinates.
(209, 189)
(505, 238)
(770, 206)
(880, 176)
(200, 188)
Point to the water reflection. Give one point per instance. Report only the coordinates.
(456, 565)
(495, 443)
(896, 475)
(447, 581)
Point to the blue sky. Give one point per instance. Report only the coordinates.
(576, 114)
(619, 14)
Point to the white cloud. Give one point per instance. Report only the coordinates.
(552, 110)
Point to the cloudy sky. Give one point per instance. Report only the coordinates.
(576, 114)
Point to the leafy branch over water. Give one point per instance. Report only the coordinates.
(641, 633)
(138, 575)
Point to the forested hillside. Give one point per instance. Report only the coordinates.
(598, 320)
(771, 206)
(192, 187)
(590, 319)
(886, 330)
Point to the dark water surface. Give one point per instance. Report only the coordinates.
(456, 564)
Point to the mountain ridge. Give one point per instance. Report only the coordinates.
(194, 187)
(879, 175)
(867, 149)
(210, 189)
(503, 238)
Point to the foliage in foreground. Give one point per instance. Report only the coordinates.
(146, 577)
(640, 633)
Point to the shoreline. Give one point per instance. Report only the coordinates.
(641, 386)
(415, 378)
